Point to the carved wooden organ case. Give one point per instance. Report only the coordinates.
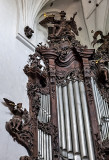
(62, 122)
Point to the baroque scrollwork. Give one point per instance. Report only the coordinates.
(100, 63)
(99, 148)
(28, 158)
(19, 125)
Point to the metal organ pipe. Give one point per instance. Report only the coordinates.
(86, 121)
(73, 130)
(102, 110)
(81, 131)
(62, 123)
(73, 123)
(75, 140)
(59, 119)
(67, 123)
(96, 100)
(44, 140)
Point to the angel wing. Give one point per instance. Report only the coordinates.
(9, 103)
(73, 25)
(95, 40)
(15, 110)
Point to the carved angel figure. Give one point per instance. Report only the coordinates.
(104, 40)
(19, 114)
(57, 28)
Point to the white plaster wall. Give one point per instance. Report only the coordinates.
(13, 58)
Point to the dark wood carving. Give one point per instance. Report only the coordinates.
(28, 32)
(64, 59)
(100, 64)
(106, 148)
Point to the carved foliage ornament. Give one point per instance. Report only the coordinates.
(28, 32)
(100, 64)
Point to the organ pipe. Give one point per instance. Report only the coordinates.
(102, 110)
(81, 131)
(86, 121)
(67, 122)
(59, 119)
(75, 140)
(63, 133)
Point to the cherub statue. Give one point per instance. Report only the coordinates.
(19, 114)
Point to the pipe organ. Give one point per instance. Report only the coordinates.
(44, 140)
(68, 118)
(102, 111)
(74, 126)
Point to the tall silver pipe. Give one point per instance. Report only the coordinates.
(96, 100)
(42, 146)
(67, 122)
(50, 148)
(103, 113)
(63, 134)
(106, 115)
(43, 108)
(75, 140)
(46, 107)
(108, 122)
(102, 110)
(86, 121)
(38, 142)
(49, 112)
(45, 147)
(59, 119)
(81, 131)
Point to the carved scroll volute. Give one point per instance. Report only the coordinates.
(86, 55)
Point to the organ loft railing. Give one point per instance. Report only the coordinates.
(63, 118)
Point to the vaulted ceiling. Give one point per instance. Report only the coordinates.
(92, 15)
